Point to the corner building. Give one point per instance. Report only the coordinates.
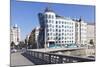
(58, 31)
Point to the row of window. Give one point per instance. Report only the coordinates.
(62, 22)
(64, 41)
(63, 26)
(59, 38)
(49, 21)
(59, 30)
(49, 16)
(59, 22)
(60, 34)
(59, 26)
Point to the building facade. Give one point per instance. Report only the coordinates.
(15, 34)
(33, 38)
(91, 33)
(61, 31)
(37, 29)
(80, 32)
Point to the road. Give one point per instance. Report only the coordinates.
(17, 59)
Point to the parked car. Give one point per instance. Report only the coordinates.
(13, 50)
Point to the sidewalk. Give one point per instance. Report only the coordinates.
(19, 60)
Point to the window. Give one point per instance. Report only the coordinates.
(59, 22)
(48, 34)
(65, 41)
(62, 41)
(46, 16)
(59, 38)
(56, 41)
(56, 29)
(59, 26)
(56, 22)
(62, 29)
(56, 37)
(62, 22)
(72, 41)
(48, 38)
(50, 29)
(47, 30)
(62, 25)
(49, 16)
(52, 16)
(47, 25)
(62, 33)
(53, 30)
(59, 30)
(56, 33)
(47, 21)
(56, 25)
(62, 37)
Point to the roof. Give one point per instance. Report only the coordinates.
(48, 9)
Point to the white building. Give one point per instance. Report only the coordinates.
(15, 34)
(91, 33)
(80, 32)
(61, 31)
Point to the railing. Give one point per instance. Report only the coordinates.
(50, 58)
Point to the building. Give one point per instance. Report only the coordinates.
(60, 31)
(80, 32)
(33, 38)
(37, 36)
(91, 33)
(15, 34)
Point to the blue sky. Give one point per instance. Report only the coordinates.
(24, 14)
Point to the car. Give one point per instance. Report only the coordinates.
(13, 50)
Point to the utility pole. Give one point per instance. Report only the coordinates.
(45, 37)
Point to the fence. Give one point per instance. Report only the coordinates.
(51, 58)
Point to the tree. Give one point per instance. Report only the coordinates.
(31, 41)
(21, 44)
(12, 44)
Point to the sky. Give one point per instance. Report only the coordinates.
(25, 14)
